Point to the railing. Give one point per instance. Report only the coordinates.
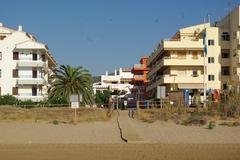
(29, 76)
(138, 66)
(138, 76)
(29, 94)
(30, 59)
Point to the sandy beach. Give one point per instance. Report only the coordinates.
(120, 152)
(101, 140)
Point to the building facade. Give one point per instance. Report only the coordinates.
(178, 63)
(140, 79)
(25, 65)
(118, 81)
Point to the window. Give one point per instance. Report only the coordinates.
(195, 73)
(34, 91)
(34, 73)
(238, 46)
(211, 77)
(225, 71)
(181, 55)
(0, 55)
(194, 55)
(224, 86)
(15, 56)
(14, 90)
(34, 56)
(225, 53)
(225, 36)
(2, 37)
(234, 34)
(211, 42)
(43, 58)
(210, 59)
(15, 73)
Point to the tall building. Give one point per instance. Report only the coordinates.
(229, 35)
(178, 63)
(140, 79)
(25, 65)
(118, 81)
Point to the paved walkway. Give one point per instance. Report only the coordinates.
(127, 129)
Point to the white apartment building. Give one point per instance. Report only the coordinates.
(178, 63)
(25, 65)
(118, 81)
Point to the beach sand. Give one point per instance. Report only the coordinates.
(120, 152)
(101, 141)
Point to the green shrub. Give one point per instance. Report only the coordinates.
(27, 103)
(55, 122)
(8, 100)
(57, 100)
(211, 125)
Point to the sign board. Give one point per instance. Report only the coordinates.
(74, 105)
(161, 92)
(74, 98)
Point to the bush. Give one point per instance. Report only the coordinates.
(102, 98)
(211, 125)
(8, 100)
(27, 103)
(195, 119)
(55, 122)
(57, 100)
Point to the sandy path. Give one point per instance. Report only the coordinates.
(120, 152)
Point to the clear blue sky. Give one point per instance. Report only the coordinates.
(106, 34)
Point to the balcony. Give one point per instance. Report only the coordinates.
(177, 79)
(28, 62)
(139, 67)
(27, 79)
(136, 88)
(184, 44)
(180, 79)
(27, 96)
(138, 77)
(172, 61)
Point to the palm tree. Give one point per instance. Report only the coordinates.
(70, 80)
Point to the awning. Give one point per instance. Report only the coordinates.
(190, 85)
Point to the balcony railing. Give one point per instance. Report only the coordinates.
(139, 76)
(29, 59)
(30, 76)
(138, 66)
(29, 94)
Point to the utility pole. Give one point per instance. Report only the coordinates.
(204, 65)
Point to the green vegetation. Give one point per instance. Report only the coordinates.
(70, 80)
(55, 122)
(211, 125)
(102, 97)
(8, 100)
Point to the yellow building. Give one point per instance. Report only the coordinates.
(178, 63)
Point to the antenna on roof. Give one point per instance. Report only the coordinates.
(229, 4)
(209, 18)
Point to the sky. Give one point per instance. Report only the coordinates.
(103, 35)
